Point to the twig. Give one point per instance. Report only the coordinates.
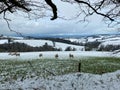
(49, 72)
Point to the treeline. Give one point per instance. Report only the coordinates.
(22, 47)
(70, 49)
(108, 47)
(91, 46)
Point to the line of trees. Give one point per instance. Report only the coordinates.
(108, 47)
(91, 46)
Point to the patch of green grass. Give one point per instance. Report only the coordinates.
(99, 65)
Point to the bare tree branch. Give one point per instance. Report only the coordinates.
(95, 10)
(54, 8)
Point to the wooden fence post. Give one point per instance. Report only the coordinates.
(79, 67)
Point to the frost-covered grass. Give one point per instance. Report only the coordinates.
(16, 69)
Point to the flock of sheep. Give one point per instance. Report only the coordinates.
(57, 56)
(40, 55)
(14, 53)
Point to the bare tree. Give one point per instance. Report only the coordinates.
(109, 9)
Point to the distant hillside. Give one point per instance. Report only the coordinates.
(62, 41)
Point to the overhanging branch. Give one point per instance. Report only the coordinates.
(95, 10)
(54, 8)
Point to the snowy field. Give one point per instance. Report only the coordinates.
(61, 55)
(75, 81)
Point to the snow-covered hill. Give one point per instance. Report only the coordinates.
(99, 38)
(104, 40)
(117, 42)
(110, 44)
(63, 46)
(3, 41)
(34, 43)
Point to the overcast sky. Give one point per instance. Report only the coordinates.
(58, 26)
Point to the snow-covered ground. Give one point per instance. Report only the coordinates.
(75, 81)
(112, 43)
(3, 41)
(117, 42)
(63, 46)
(93, 39)
(35, 43)
(81, 40)
(112, 39)
(61, 54)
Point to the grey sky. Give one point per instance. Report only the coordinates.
(59, 26)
